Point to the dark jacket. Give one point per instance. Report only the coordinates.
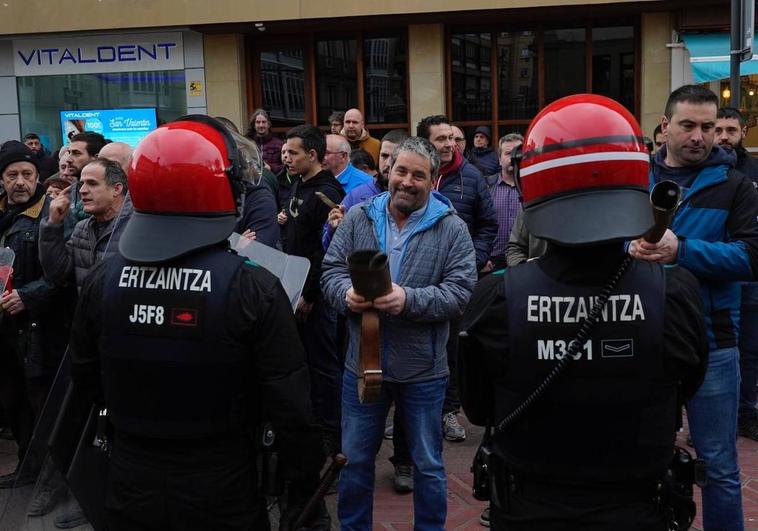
(306, 215)
(271, 150)
(258, 314)
(468, 192)
(38, 334)
(486, 358)
(718, 236)
(46, 164)
(485, 159)
(259, 215)
(68, 261)
(747, 165)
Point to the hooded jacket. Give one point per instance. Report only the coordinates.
(718, 236)
(437, 272)
(485, 159)
(306, 215)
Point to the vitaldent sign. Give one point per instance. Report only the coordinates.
(98, 54)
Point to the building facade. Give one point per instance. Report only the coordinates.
(485, 62)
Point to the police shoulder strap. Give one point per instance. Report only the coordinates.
(581, 337)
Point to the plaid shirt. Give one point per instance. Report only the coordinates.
(507, 206)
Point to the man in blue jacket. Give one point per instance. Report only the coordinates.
(463, 184)
(431, 263)
(715, 235)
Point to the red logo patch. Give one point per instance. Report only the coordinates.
(183, 317)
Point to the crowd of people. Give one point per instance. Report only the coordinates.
(450, 219)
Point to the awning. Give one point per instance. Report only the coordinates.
(709, 56)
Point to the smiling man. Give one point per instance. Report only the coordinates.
(715, 235)
(103, 192)
(431, 263)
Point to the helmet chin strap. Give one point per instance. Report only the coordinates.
(516, 157)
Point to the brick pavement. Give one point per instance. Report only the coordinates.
(395, 512)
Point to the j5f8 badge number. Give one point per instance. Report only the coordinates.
(147, 314)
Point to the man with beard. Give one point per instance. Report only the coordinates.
(356, 133)
(431, 265)
(730, 132)
(270, 145)
(45, 161)
(32, 314)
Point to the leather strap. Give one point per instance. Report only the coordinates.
(369, 359)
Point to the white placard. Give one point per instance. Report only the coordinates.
(129, 52)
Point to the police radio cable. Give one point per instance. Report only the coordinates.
(581, 337)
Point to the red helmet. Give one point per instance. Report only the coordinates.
(185, 182)
(583, 173)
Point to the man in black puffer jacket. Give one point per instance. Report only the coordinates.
(33, 327)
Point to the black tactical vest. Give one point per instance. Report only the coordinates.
(611, 415)
(170, 367)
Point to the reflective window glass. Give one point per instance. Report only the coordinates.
(613, 64)
(384, 66)
(471, 76)
(336, 78)
(283, 86)
(518, 75)
(565, 63)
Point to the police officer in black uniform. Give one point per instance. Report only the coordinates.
(591, 451)
(190, 347)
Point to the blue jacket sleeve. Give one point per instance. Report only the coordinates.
(737, 257)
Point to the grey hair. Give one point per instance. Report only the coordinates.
(419, 146)
(510, 137)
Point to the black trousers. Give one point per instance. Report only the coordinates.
(520, 506)
(195, 491)
(14, 396)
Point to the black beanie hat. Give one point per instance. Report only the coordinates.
(14, 151)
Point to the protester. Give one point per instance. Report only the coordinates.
(505, 198)
(431, 263)
(269, 144)
(337, 161)
(33, 322)
(714, 235)
(356, 133)
(302, 221)
(482, 155)
(336, 122)
(46, 163)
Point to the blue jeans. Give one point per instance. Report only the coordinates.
(748, 350)
(712, 416)
(362, 431)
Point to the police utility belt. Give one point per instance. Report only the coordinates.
(370, 275)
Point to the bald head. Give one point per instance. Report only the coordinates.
(117, 152)
(353, 124)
